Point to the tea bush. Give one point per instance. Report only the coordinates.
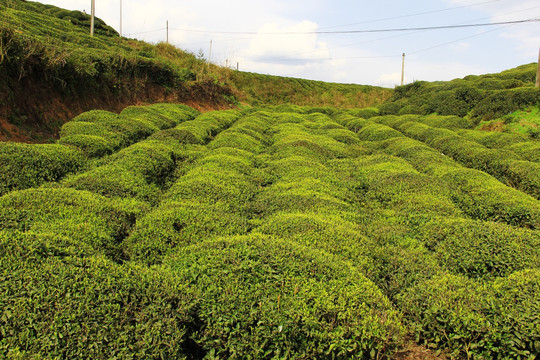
(24, 166)
(91, 308)
(495, 320)
(512, 312)
(481, 249)
(377, 132)
(527, 150)
(268, 307)
(356, 124)
(477, 194)
(447, 311)
(445, 122)
(91, 145)
(365, 113)
(493, 139)
(504, 102)
(238, 139)
(81, 216)
(137, 171)
(503, 164)
(275, 235)
(180, 223)
(320, 232)
(391, 182)
(483, 197)
(100, 134)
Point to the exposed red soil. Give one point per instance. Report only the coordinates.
(35, 111)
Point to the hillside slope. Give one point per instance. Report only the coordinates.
(51, 70)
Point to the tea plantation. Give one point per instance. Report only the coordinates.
(279, 232)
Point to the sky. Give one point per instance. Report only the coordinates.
(336, 40)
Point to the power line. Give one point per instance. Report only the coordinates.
(366, 30)
(457, 40)
(272, 60)
(411, 15)
(145, 32)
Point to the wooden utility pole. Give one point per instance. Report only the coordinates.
(93, 13)
(167, 31)
(402, 69)
(538, 71)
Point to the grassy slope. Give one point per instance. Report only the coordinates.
(47, 54)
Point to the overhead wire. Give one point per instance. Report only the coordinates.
(412, 15)
(422, 28)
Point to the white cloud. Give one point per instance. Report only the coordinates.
(390, 79)
(288, 47)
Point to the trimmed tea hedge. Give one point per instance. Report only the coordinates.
(24, 166)
(270, 298)
(99, 132)
(83, 217)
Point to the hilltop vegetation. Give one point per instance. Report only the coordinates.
(46, 53)
(492, 100)
(271, 232)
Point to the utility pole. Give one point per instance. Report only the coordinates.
(402, 69)
(538, 71)
(93, 13)
(210, 54)
(167, 31)
(120, 18)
